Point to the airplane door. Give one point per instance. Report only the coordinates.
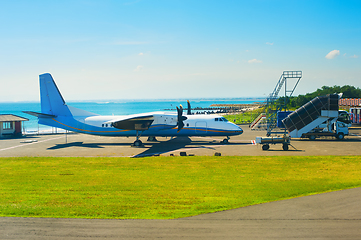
(201, 127)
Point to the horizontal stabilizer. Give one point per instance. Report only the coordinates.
(43, 115)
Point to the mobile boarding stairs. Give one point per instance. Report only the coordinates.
(311, 115)
(305, 119)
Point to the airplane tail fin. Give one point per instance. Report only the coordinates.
(52, 103)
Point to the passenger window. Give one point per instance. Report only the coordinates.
(216, 119)
(102, 125)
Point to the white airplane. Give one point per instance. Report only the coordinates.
(56, 113)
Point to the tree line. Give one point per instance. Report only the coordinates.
(296, 102)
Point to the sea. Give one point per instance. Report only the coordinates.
(113, 107)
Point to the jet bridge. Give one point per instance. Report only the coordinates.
(312, 114)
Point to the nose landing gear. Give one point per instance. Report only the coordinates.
(226, 140)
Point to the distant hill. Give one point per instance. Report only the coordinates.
(347, 90)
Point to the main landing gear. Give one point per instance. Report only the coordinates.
(137, 142)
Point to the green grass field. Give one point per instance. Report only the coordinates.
(163, 187)
(242, 118)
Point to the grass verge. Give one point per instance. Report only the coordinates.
(163, 187)
(244, 117)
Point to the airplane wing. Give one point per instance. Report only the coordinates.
(141, 122)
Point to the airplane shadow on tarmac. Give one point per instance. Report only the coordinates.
(86, 145)
(153, 148)
(174, 145)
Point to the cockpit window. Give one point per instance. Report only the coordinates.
(224, 120)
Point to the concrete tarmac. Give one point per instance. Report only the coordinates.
(335, 215)
(79, 145)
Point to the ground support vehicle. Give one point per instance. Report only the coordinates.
(333, 128)
(266, 141)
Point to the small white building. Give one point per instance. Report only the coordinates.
(11, 125)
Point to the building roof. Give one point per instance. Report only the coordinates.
(11, 118)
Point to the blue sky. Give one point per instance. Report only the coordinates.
(144, 49)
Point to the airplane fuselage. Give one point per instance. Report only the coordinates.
(164, 124)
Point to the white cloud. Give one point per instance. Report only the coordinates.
(141, 54)
(333, 54)
(354, 56)
(268, 43)
(254, 61)
(138, 68)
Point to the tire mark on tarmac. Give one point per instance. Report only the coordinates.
(27, 144)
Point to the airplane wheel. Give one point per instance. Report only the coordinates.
(265, 147)
(151, 139)
(225, 141)
(285, 147)
(138, 143)
(312, 137)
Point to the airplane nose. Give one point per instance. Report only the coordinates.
(239, 129)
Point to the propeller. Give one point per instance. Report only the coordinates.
(189, 108)
(181, 118)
